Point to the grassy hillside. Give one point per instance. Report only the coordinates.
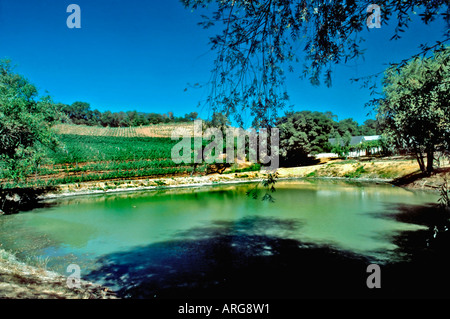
(82, 158)
(96, 153)
(157, 130)
(115, 155)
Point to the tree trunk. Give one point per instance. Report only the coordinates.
(430, 159)
(420, 161)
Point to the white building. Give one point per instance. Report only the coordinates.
(355, 140)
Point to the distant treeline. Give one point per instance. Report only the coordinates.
(80, 113)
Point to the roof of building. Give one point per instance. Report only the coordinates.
(355, 140)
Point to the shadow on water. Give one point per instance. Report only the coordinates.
(234, 259)
(15, 200)
(424, 272)
(249, 258)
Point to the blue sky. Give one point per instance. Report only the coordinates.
(140, 55)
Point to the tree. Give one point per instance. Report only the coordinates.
(219, 121)
(123, 119)
(141, 120)
(415, 108)
(348, 125)
(133, 118)
(303, 133)
(154, 118)
(191, 116)
(259, 40)
(369, 128)
(94, 117)
(25, 123)
(341, 145)
(78, 112)
(106, 119)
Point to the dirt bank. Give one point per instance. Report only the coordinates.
(403, 172)
(21, 281)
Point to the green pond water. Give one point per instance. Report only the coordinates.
(139, 231)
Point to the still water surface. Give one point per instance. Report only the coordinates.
(137, 231)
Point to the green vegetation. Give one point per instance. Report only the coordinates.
(414, 111)
(307, 133)
(88, 158)
(268, 184)
(79, 148)
(357, 173)
(251, 168)
(444, 199)
(80, 113)
(25, 124)
(342, 144)
(83, 158)
(160, 183)
(312, 174)
(414, 114)
(303, 133)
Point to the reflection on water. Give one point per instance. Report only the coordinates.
(217, 239)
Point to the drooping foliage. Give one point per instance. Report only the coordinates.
(259, 41)
(415, 108)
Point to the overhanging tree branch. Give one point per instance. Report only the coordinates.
(258, 46)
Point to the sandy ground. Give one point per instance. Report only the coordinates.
(20, 281)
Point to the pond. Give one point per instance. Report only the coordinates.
(316, 239)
